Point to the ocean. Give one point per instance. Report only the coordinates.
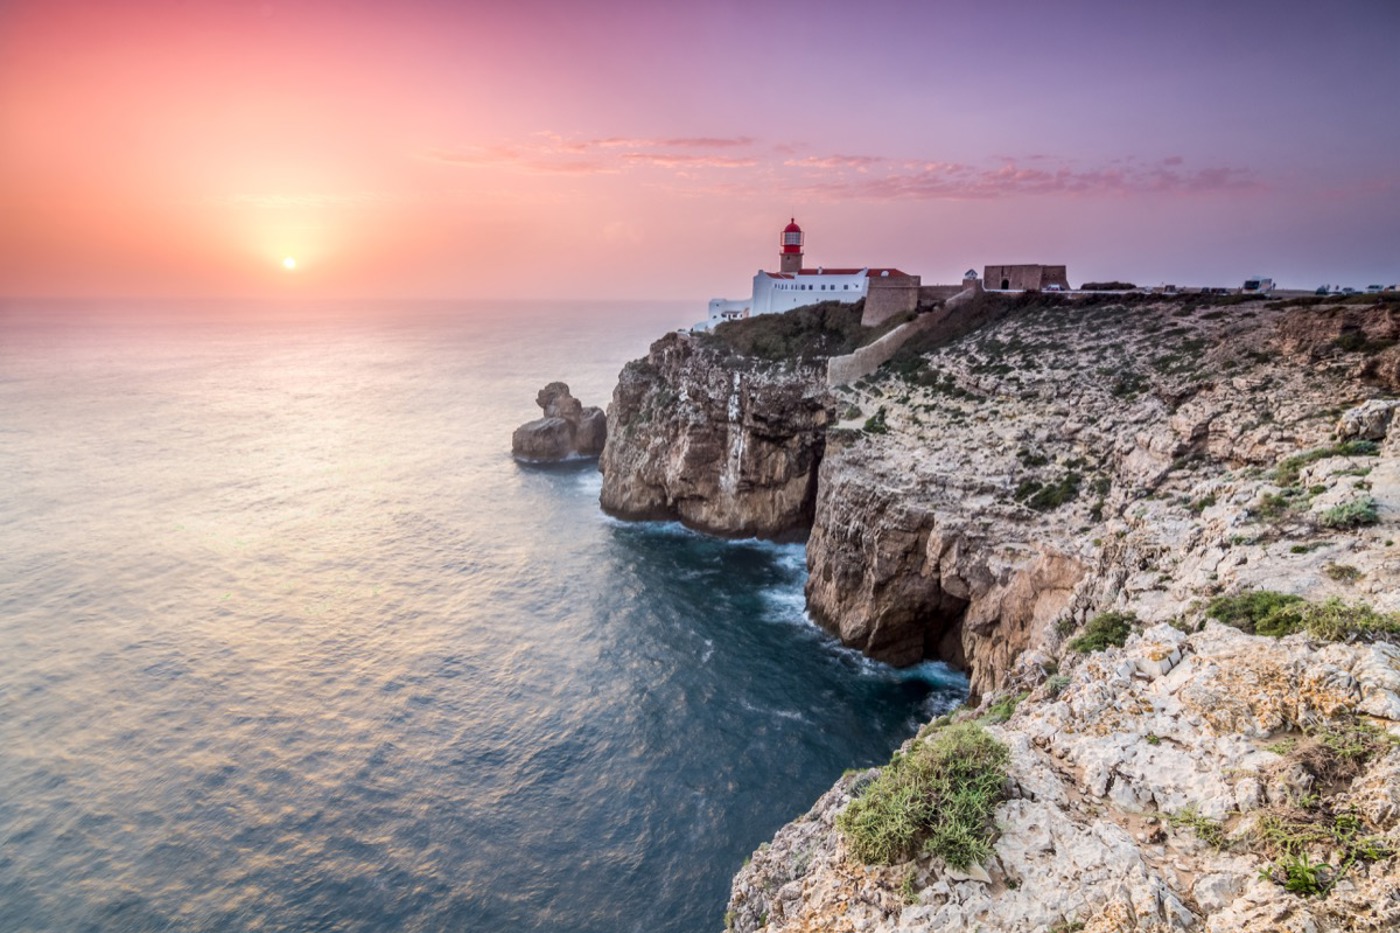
(288, 641)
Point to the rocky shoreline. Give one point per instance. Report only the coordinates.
(983, 499)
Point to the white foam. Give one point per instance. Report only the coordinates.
(780, 713)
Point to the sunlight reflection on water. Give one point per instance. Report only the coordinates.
(292, 642)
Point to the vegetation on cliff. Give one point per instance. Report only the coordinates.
(826, 329)
(935, 799)
(1264, 612)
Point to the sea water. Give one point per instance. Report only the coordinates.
(289, 642)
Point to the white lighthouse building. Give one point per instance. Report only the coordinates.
(793, 286)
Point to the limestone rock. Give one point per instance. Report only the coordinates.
(543, 439)
(592, 431)
(566, 430)
(1086, 840)
(1368, 421)
(1046, 469)
(725, 445)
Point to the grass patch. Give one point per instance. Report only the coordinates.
(1209, 831)
(936, 799)
(1286, 473)
(1314, 840)
(1000, 711)
(1354, 514)
(1342, 573)
(1264, 612)
(1107, 629)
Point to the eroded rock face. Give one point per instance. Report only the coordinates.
(1103, 466)
(1170, 724)
(566, 430)
(1060, 465)
(725, 445)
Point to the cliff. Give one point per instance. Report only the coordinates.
(727, 444)
(1065, 498)
(1072, 468)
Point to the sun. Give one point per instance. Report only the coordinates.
(289, 264)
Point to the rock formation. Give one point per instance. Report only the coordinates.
(567, 429)
(1070, 460)
(1143, 459)
(1153, 788)
(982, 498)
(723, 443)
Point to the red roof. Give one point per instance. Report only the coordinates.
(792, 227)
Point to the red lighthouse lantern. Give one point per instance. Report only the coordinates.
(792, 248)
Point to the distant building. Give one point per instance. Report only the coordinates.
(887, 291)
(1029, 278)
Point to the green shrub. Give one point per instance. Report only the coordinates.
(1245, 611)
(1044, 497)
(1342, 573)
(1353, 514)
(1264, 612)
(1000, 711)
(1107, 629)
(829, 328)
(875, 424)
(1286, 473)
(937, 799)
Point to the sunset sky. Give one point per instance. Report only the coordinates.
(643, 149)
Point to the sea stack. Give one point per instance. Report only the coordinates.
(567, 429)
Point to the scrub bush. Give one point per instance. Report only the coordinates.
(937, 799)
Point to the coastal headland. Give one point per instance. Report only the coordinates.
(1160, 534)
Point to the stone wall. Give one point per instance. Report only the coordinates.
(928, 294)
(889, 295)
(843, 370)
(1025, 278)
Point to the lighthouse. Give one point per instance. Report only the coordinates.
(792, 248)
(886, 291)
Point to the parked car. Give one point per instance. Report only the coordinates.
(1257, 286)
(1374, 289)
(1053, 288)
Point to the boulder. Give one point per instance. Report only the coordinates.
(543, 439)
(592, 431)
(566, 430)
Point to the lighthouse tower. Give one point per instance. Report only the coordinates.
(792, 248)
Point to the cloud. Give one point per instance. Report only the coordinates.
(858, 162)
(1014, 178)
(681, 160)
(681, 142)
(536, 161)
(850, 176)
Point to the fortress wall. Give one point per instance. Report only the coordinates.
(887, 296)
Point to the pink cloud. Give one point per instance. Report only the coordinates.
(841, 176)
(676, 160)
(683, 142)
(858, 162)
